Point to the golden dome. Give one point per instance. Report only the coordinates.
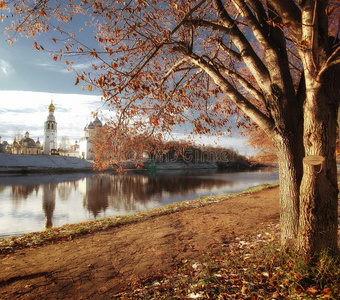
(51, 107)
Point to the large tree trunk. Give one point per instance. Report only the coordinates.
(290, 154)
(318, 222)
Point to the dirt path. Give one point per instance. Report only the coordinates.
(99, 265)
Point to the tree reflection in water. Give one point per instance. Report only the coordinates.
(128, 192)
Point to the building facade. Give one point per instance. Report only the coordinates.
(85, 143)
(26, 146)
(50, 131)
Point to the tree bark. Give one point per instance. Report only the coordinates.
(290, 153)
(318, 222)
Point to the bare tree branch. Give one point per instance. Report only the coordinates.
(250, 88)
(333, 60)
(172, 70)
(291, 14)
(228, 50)
(260, 13)
(249, 56)
(248, 108)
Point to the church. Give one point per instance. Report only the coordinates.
(85, 143)
(27, 145)
(50, 132)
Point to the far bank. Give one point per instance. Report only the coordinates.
(23, 163)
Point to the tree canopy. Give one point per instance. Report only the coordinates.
(161, 64)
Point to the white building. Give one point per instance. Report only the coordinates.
(85, 143)
(50, 131)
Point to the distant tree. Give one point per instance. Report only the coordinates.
(18, 136)
(65, 144)
(161, 64)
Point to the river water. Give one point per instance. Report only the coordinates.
(39, 201)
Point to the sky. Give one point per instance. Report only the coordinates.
(23, 111)
(30, 79)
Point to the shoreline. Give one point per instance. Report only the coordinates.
(25, 164)
(225, 249)
(101, 264)
(9, 244)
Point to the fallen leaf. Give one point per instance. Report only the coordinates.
(313, 290)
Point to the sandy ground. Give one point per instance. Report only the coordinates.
(100, 265)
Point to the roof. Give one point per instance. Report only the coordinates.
(51, 107)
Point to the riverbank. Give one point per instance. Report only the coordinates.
(13, 163)
(21, 163)
(104, 263)
(221, 247)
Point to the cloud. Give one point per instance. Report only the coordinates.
(58, 67)
(5, 67)
(72, 113)
(84, 66)
(54, 67)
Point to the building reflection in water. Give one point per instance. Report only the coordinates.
(20, 192)
(48, 202)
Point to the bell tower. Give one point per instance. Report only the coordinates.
(50, 131)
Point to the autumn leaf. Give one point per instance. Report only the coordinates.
(2, 5)
(77, 81)
(54, 40)
(35, 45)
(42, 12)
(55, 58)
(313, 290)
(244, 289)
(94, 54)
(90, 87)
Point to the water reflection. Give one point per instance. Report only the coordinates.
(71, 198)
(23, 191)
(95, 190)
(48, 198)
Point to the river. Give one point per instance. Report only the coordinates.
(38, 201)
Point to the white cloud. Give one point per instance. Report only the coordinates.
(55, 67)
(27, 111)
(6, 68)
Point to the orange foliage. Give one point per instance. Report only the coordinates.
(265, 151)
(161, 65)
